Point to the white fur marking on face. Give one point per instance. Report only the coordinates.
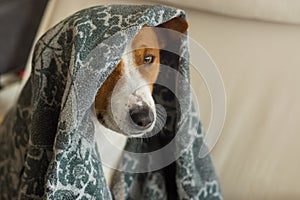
(135, 91)
(135, 80)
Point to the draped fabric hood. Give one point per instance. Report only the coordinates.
(47, 140)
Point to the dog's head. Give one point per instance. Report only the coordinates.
(124, 102)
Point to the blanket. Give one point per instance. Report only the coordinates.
(47, 140)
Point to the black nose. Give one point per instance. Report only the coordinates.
(142, 116)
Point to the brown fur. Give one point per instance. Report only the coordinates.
(105, 92)
(147, 38)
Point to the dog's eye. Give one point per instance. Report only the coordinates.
(148, 59)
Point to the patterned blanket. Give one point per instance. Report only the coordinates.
(47, 145)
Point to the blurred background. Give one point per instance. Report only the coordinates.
(19, 21)
(255, 45)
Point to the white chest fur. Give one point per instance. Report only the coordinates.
(110, 146)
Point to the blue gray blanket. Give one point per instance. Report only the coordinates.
(47, 146)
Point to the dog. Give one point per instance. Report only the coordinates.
(124, 105)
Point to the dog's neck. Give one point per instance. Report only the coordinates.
(110, 145)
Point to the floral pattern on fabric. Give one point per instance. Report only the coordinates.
(47, 144)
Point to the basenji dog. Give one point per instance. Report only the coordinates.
(128, 110)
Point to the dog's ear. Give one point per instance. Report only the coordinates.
(178, 25)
